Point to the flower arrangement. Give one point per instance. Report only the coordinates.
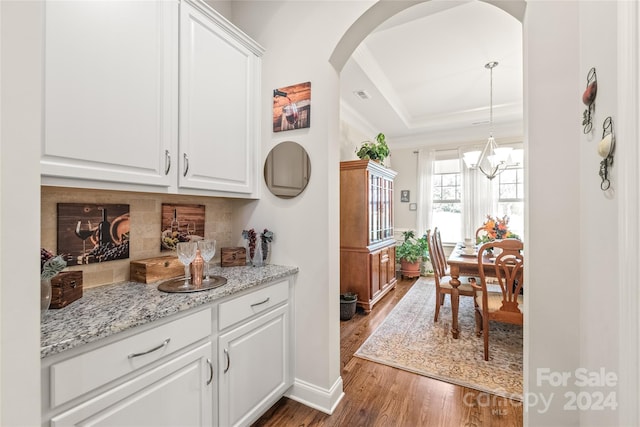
(50, 264)
(265, 238)
(496, 229)
(376, 151)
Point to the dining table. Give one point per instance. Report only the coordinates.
(462, 264)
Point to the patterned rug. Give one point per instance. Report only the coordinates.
(408, 339)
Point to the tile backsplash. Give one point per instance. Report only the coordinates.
(145, 226)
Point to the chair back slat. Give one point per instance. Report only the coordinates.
(509, 271)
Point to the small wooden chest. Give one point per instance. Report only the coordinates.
(66, 287)
(231, 257)
(153, 269)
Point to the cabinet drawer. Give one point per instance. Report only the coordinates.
(85, 372)
(244, 307)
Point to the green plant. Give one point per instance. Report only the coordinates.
(412, 248)
(377, 151)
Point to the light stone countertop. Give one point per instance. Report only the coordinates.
(106, 310)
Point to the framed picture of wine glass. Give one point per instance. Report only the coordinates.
(181, 223)
(89, 233)
(292, 107)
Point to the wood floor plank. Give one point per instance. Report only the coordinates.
(379, 395)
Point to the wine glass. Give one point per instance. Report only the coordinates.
(207, 251)
(191, 228)
(84, 231)
(186, 254)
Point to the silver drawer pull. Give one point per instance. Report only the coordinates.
(210, 371)
(167, 162)
(260, 303)
(226, 353)
(164, 344)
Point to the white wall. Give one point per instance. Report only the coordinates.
(405, 161)
(299, 38)
(20, 127)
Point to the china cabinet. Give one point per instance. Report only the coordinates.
(149, 96)
(367, 246)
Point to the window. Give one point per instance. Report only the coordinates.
(511, 198)
(447, 199)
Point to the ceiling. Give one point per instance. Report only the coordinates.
(424, 74)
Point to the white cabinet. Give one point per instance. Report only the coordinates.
(110, 91)
(176, 393)
(254, 359)
(158, 96)
(219, 78)
(162, 375)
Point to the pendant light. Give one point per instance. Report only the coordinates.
(492, 160)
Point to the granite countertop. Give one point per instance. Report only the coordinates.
(106, 310)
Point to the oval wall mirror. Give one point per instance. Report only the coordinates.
(287, 169)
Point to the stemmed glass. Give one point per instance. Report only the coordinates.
(84, 231)
(207, 251)
(186, 254)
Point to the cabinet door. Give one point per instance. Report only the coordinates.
(110, 91)
(254, 367)
(177, 393)
(219, 80)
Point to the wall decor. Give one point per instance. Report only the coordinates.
(588, 99)
(292, 107)
(413, 206)
(605, 148)
(181, 223)
(404, 196)
(90, 233)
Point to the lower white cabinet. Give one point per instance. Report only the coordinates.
(176, 393)
(222, 365)
(253, 367)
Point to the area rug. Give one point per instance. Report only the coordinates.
(409, 339)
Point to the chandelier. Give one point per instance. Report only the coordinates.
(492, 160)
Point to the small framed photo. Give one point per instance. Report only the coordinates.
(404, 196)
(413, 206)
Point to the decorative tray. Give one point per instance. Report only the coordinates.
(473, 255)
(177, 285)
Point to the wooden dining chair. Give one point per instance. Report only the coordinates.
(505, 305)
(441, 275)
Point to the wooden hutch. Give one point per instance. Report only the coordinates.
(367, 245)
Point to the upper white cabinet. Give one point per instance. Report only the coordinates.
(110, 91)
(159, 96)
(219, 78)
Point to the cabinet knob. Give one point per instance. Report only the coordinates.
(151, 350)
(210, 371)
(226, 354)
(167, 162)
(186, 164)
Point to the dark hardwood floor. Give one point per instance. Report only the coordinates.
(379, 395)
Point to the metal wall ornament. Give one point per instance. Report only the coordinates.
(605, 149)
(588, 99)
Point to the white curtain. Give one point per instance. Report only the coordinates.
(426, 158)
(479, 199)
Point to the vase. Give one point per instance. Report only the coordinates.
(45, 295)
(257, 260)
(266, 250)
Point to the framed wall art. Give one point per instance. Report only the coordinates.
(90, 233)
(404, 196)
(181, 223)
(292, 107)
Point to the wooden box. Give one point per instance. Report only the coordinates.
(231, 257)
(153, 269)
(66, 287)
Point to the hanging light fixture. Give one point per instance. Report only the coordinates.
(492, 160)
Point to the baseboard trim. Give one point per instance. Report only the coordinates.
(324, 400)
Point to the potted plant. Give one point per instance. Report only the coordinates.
(411, 252)
(348, 302)
(376, 151)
